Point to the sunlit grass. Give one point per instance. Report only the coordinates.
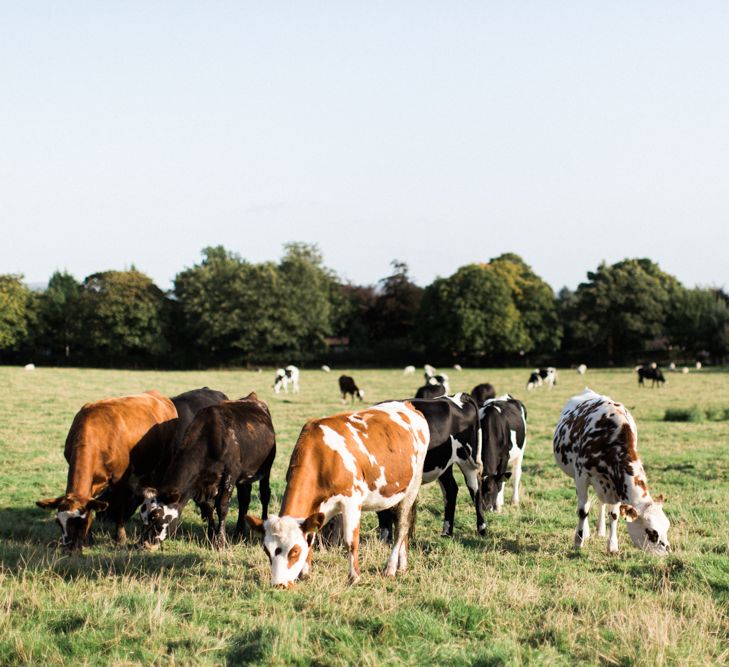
(519, 595)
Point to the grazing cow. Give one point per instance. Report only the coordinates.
(698, 365)
(672, 367)
(534, 381)
(685, 370)
(283, 377)
(228, 444)
(348, 387)
(366, 460)
(326, 368)
(110, 442)
(483, 392)
(432, 377)
(581, 369)
(457, 367)
(503, 428)
(430, 391)
(549, 376)
(650, 373)
(595, 443)
(408, 370)
(29, 367)
(455, 437)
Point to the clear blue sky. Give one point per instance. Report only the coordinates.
(436, 133)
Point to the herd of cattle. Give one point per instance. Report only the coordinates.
(159, 453)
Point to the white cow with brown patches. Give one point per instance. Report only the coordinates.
(595, 443)
(366, 460)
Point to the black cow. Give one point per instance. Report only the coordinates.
(454, 438)
(226, 445)
(430, 391)
(503, 429)
(348, 387)
(483, 392)
(650, 373)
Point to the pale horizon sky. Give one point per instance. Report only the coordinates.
(434, 133)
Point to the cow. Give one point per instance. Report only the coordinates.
(430, 391)
(455, 437)
(433, 377)
(408, 370)
(534, 381)
(283, 377)
(110, 441)
(348, 387)
(549, 376)
(581, 369)
(596, 443)
(366, 460)
(457, 367)
(483, 392)
(652, 373)
(228, 444)
(326, 368)
(503, 429)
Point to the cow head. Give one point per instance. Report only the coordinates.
(287, 542)
(649, 529)
(160, 513)
(74, 516)
(492, 483)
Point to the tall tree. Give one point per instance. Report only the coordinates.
(699, 322)
(397, 302)
(58, 315)
(15, 312)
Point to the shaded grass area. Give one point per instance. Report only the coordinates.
(519, 595)
(696, 414)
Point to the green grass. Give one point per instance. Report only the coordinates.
(519, 595)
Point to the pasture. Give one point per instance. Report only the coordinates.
(519, 595)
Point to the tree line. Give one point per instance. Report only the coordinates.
(226, 311)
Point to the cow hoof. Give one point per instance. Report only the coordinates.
(482, 530)
(353, 579)
(447, 534)
(390, 572)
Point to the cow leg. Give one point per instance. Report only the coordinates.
(222, 505)
(206, 512)
(614, 511)
(351, 517)
(244, 500)
(471, 477)
(264, 493)
(500, 497)
(385, 521)
(601, 520)
(398, 560)
(583, 509)
(516, 472)
(450, 493)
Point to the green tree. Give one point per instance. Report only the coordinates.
(15, 312)
(535, 301)
(471, 314)
(699, 322)
(621, 309)
(58, 314)
(394, 313)
(121, 317)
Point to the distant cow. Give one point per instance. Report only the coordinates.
(349, 388)
(483, 392)
(326, 368)
(534, 381)
(581, 369)
(455, 438)
(430, 391)
(226, 445)
(596, 443)
(503, 428)
(542, 376)
(110, 442)
(29, 367)
(284, 376)
(408, 370)
(433, 377)
(366, 460)
(650, 373)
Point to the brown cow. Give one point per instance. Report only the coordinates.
(107, 442)
(371, 460)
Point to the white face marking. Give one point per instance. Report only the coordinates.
(282, 535)
(63, 518)
(169, 514)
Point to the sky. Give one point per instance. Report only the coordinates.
(435, 133)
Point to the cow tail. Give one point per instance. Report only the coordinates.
(413, 516)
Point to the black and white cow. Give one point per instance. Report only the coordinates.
(430, 391)
(454, 438)
(230, 444)
(503, 429)
(596, 443)
(483, 392)
(652, 373)
(348, 387)
(284, 376)
(542, 376)
(433, 377)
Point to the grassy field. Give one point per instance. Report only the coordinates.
(519, 595)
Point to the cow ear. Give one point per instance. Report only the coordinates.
(660, 500)
(255, 523)
(313, 522)
(628, 511)
(96, 505)
(50, 503)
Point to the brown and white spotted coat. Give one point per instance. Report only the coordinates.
(595, 443)
(366, 460)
